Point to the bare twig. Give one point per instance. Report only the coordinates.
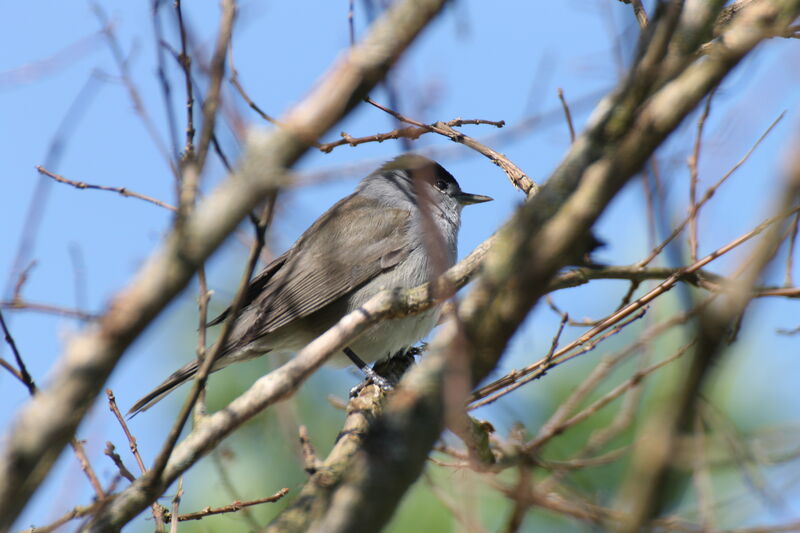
(157, 510)
(21, 372)
(77, 512)
(217, 74)
(176, 503)
(518, 178)
(133, 92)
(788, 279)
(38, 202)
(410, 132)
(43, 67)
(643, 492)
(112, 404)
(79, 275)
(234, 80)
(14, 372)
(111, 452)
(560, 426)
(511, 380)
(161, 69)
(232, 508)
(567, 114)
(185, 61)
(80, 453)
(351, 23)
(24, 305)
(693, 175)
(124, 191)
(310, 460)
(710, 192)
(23, 278)
(517, 378)
(639, 12)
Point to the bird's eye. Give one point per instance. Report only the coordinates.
(441, 185)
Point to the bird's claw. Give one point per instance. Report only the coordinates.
(373, 378)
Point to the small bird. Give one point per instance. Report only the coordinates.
(398, 229)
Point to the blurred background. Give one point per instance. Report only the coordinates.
(66, 104)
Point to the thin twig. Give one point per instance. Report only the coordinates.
(24, 376)
(23, 278)
(176, 503)
(194, 160)
(35, 70)
(710, 192)
(234, 80)
(311, 461)
(217, 74)
(511, 379)
(612, 395)
(124, 191)
(38, 202)
(157, 510)
(21, 370)
(788, 279)
(639, 12)
(24, 305)
(185, 61)
(112, 404)
(111, 452)
(518, 178)
(79, 275)
(567, 114)
(133, 91)
(80, 453)
(351, 23)
(161, 69)
(409, 132)
(76, 512)
(693, 163)
(203, 297)
(233, 507)
(14, 372)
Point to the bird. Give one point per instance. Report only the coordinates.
(399, 229)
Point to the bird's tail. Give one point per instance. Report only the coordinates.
(180, 376)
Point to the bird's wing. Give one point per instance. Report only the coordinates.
(255, 287)
(361, 239)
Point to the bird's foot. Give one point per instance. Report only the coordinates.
(372, 378)
(386, 373)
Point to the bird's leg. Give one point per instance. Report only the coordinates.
(394, 367)
(371, 375)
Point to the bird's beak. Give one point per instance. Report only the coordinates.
(465, 198)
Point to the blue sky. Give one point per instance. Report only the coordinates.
(490, 60)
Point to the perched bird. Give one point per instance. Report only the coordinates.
(398, 229)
